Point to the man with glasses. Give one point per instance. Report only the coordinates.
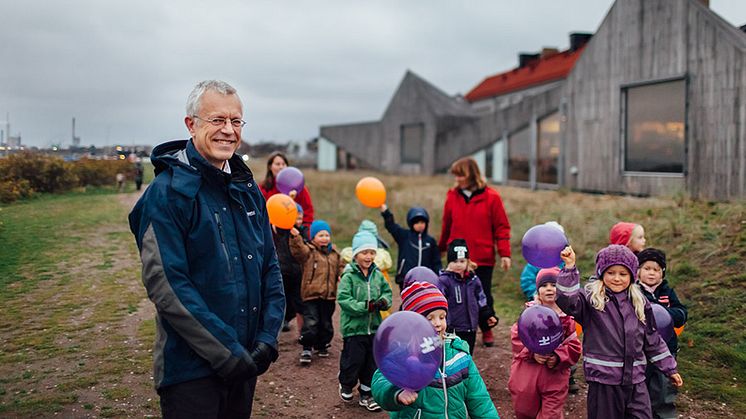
(209, 265)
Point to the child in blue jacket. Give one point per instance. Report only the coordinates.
(416, 247)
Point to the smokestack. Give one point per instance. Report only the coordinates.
(525, 58)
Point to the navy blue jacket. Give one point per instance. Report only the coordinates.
(467, 302)
(209, 264)
(415, 249)
(666, 296)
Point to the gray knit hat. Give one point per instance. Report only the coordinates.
(616, 254)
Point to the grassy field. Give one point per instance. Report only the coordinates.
(70, 288)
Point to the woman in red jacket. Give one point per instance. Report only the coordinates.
(276, 162)
(473, 211)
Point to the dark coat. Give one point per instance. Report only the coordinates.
(666, 296)
(467, 303)
(415, 249)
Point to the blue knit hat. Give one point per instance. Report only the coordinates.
(319, 225)
(300, 209)
(363, 240)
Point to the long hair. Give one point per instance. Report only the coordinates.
(468, 168)
(269, 178)
(597, 296)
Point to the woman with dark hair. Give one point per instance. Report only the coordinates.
(474, 212)
(276, 162)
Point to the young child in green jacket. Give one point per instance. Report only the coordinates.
(457, 390)
(362, 293)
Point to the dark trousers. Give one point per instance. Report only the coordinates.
(293, 302)
(318, 328)
(662, 393)
(618, 401)
(209, 397)
(485, 277)
(357, 363)
(470, 338)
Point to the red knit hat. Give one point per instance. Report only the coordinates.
(621, 233)
(423, 298)
(547, 275)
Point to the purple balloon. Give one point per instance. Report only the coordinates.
(420, 274)
(289, 179)
(540, 329)
(542, 245)
(663, 321)
(407, 350)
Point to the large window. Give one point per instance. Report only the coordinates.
(547, 150)
(654, 116)
(519, 149)
(412, 139)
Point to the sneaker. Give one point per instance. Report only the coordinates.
(368, 403)
(323, 353)
(305, 356)
(345, 393)
(488, 339)
(285, 326)
(574, 388)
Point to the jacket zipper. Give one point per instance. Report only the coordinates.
(222, 241)
(370, 315)
(443, 378)
(419, 249)
(401, 266)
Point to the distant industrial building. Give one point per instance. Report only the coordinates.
(653, 103)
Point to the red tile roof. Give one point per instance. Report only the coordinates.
(539, 71)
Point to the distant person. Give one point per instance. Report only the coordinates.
(539, 384)
(628, 234)
(457, 390)
(652, 277)
(322, 267)
(619, 333)
(120, 181)
(362, 294)
(475, 212)
(139, 173)
(275, 163)
(466, 298)
(209, 265)
(416, 246)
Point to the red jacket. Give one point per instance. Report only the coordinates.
(303, 198)
(482, 222)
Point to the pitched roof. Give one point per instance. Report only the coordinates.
(536, 72)
(437, 101)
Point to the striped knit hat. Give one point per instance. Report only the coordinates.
(423, 298)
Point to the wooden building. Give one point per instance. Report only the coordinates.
(654, 103)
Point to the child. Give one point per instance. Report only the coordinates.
(628, 234)
(619, 333)
(363, 293)
(457, 390)
(463, 290)
(539, 384)
(322, 266)
(291, 272)
(416, 247)
(652, 277)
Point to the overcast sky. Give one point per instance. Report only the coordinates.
(125, 68)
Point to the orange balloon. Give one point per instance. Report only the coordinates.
(371, 192)
(578, 328)
(678, 330)
(282, 211)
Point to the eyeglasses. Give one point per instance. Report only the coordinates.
(219, 122)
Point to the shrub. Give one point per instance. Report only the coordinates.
(11, 190)
(101, 172)
(43, 173)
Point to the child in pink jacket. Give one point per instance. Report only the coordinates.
(538, 384)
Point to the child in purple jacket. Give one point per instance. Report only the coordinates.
(619, 334)
(466, 298)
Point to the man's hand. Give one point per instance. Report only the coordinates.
(568, 256)
(676, 380)
(263, 355)
(406, 397)
(243, 370)
(505, 263)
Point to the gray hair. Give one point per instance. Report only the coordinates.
(194, 99)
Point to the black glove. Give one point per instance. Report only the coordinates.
(372, 306)
(263, 355)
(244, 369)
(382, 304)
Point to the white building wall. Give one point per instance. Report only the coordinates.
(326, 159)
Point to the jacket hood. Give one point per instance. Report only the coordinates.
(417, 212)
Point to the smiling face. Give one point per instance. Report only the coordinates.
(437, 318)
(650, 273)
(547, 293)
(278, 163)
(617, 278)
(322, 238)
(365, 258)
(216, 143)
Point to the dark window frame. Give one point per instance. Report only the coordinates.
(623, 123)
(404, 157)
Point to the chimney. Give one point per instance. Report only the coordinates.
(547, 52)
(578, 39)
(525, 58)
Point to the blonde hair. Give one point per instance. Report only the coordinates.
(469, 168)
(470, 266)
(597, 296)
